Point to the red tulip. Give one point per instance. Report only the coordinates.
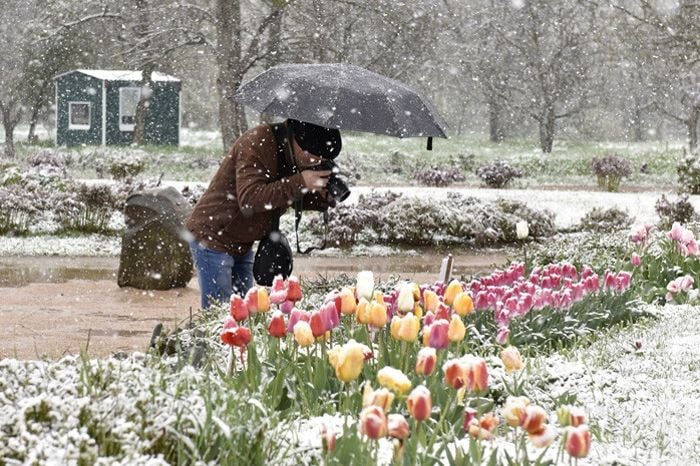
(293, 289)
(455, 373)
(235, 335)
(397, 426)
(373, 422)
(316, 323)
(239, 309)
(277, 326)
(578, 441)
(420, 403)
(425, 361)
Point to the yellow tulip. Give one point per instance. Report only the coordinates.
(430, 300)
(405, 300)
(418, 311)
(362, 314)
(408, 328)
(348, 304)
(377, 315)
(463, 304)
(456, 331)
(393, 379)
(454, 288)
(303, 334)
(416, 291)
(394, 328)
(379, 297)
(382, 397)
(511, 359)
(348, 360)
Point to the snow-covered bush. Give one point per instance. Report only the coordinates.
(681, 210)
(126, 167)
(498, 174)
(602, 220)
(438, 176)
(688, 170)
(87, 210)
(609, 170)
(16, 211)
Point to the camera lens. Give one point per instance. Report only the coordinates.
(337, 188)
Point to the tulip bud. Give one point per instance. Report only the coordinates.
(277, 327)
(430, 300)
(398, 426)
(327, 439)
(362, 314)
(293, 289)
(454, 288)
(303, 334)
(239, 309)
(636, 260)
(377, 315)
(365, 285)
(348, 304)
(373, 422)
(463, 304)
(419, 403)
(511, 359)
(578, 441)
(571, 416)
(533, 418)
(393, 379)
(425, 361)
(456, 330)
(405, 300)
(514, 409)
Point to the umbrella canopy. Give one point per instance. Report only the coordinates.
(342, 96)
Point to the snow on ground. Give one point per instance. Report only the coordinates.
(88, 245)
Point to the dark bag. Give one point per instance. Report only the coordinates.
(274, 255)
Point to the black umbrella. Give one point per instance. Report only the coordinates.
(342, 96)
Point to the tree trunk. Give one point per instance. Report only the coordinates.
(9, 124)
(228, 60)
(33, 119)
(546, 125)
(692, 124)
(142, 106)
(638, 131)
(496, 131)
(274, 47)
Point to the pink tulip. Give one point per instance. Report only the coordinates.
(438, 334)
(297, 315)
(623, 281)
(636, 260)
(502, 335)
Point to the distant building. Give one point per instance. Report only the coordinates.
(99, 106)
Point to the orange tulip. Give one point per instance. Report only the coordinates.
(543, 437)
(533, 419)
(463, 304)
(578, 441)
(373, 422)
(362, 313)
(451, 292)
(430, 301)
(377, 315)
(397, 426)
(455, 373)
(420, 403)
(477, 374)
(235, 335)
(425, 361)
(483, 428)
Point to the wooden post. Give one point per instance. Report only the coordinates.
(445, 269)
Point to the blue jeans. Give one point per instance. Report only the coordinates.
(221, 274)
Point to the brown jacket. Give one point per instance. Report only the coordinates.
(242, 200)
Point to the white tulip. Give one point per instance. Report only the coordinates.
(521, 229)
(365, 285)
(405, 301)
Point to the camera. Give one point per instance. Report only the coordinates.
(336, 187)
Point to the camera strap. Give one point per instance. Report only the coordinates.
(298, 209)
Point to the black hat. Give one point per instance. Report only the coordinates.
(324, 142)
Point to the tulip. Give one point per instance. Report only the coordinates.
(477, 374)
(393, 379)
(419, 403)
(382, 397)
(397, 426)
(452, 290)
(362, 314)
(502, 335)
(329, 316)
(235, 335)
(316, 324)
(294, 289)
(348, 360)
(373, 422)
(405, 300)
(257, 299)
(514, 409)
(455, 373)
(521, 229)
(484, 427)
(408, 327)
(279, 290)
(303, 334)
(377, 315)
(296, 315)
(348, 304)
(425, 361)
(438, 334)
(463, 304)
(327, 439)
(578, 441)
(277, 327)
(636, 260)
(365, 285)
(533, 419)
(394, 327)
(456, 329)
(239, 309)
(544, 437)
(430, 300)
(571, 416)
(511, 359)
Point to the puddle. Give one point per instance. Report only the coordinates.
(21, 271)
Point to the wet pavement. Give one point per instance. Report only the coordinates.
(53, 306)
